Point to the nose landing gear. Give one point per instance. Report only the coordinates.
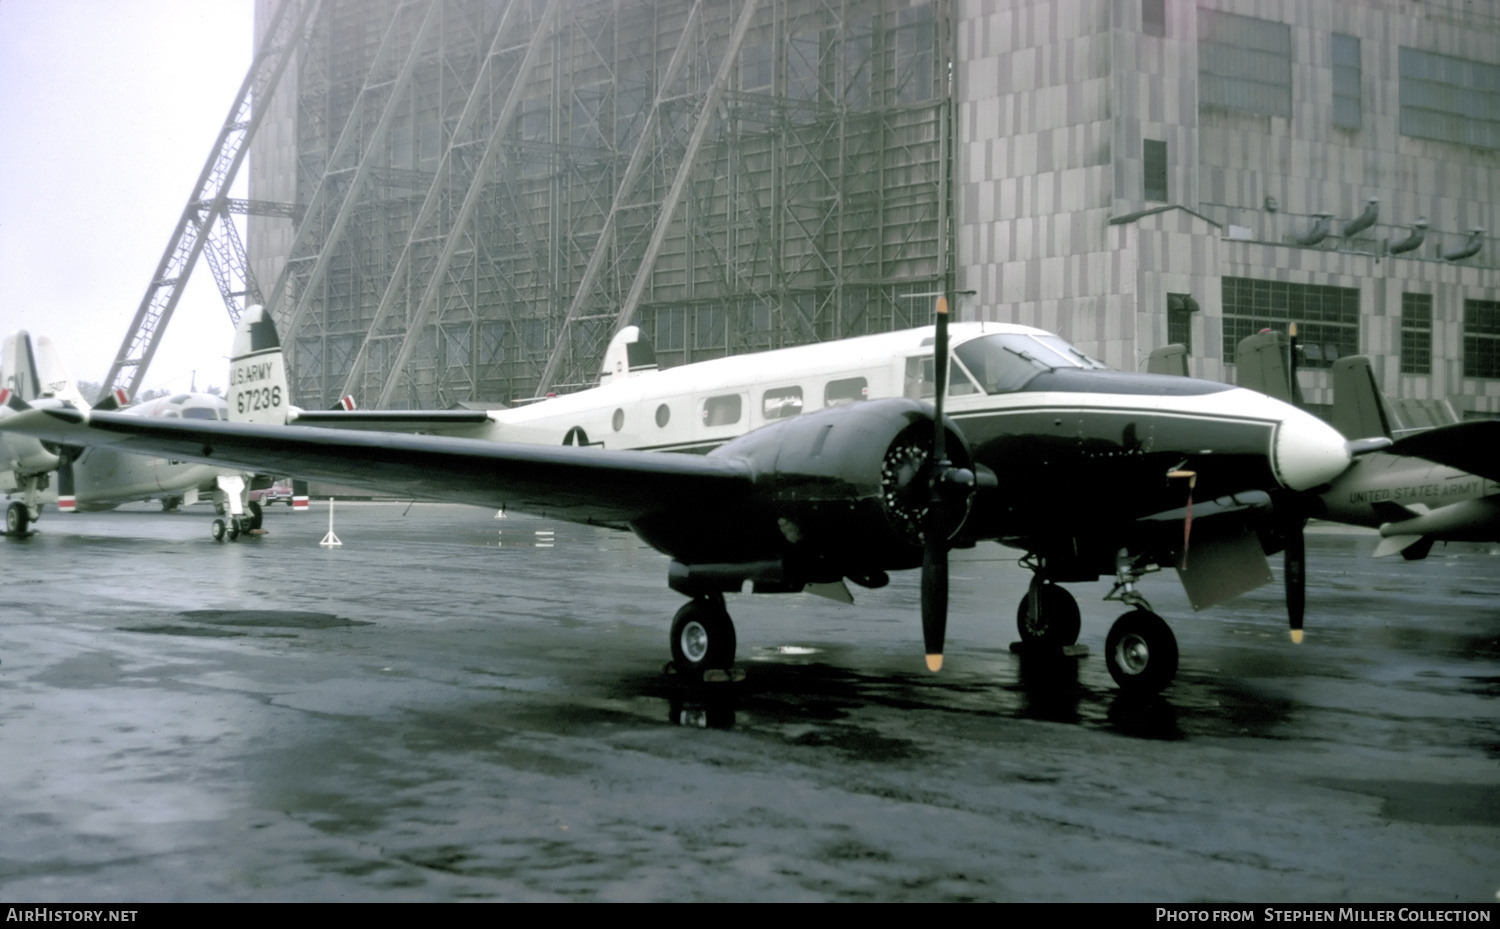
(1140, 649)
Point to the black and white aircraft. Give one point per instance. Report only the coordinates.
(1090, 472)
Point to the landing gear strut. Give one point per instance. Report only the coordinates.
(702, 636)
(1140, 650)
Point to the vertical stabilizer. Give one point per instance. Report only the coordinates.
(629, 353)
(55, 380)
(257, 372)
(1169, 359)
(1263, 362)
(1360, 411)
(18, 364)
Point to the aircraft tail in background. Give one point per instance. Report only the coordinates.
(257, 390)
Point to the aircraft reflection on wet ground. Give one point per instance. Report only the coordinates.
(448, 708)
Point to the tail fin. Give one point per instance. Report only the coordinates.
(56, 382)
(629, 353)
(1360, 411)
(1264, 362)
(1169, 359)
(18, 363)
(257, 372)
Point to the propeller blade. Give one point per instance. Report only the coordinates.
(935, 535)
(1295, 575)
(934, 594)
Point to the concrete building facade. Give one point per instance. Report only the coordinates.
(492, 187)
(1134, 172)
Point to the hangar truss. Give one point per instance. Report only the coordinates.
(487, 190)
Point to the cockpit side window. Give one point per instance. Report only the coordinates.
(1005, 362)
(198, 412)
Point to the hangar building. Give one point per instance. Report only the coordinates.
(483, 191)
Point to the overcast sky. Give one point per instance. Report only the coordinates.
(108, 109)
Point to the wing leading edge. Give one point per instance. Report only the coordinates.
(583, 485)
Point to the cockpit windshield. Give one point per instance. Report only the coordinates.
(1004, 362)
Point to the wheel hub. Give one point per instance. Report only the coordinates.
(694, 641)
(1133, 654)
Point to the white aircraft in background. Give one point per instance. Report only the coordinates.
(827, 463)
(81, 478)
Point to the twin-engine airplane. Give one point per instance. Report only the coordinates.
(827, 463)
(94, 478)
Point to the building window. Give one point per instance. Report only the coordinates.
(1327, 318)
(1450, 99)
(1346, 98)
(1416, 333)
(1154, 17)
(1244, 63)
(1155, 157)
(1180, 309)
(1481, 338)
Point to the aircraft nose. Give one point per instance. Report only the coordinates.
(1308, 451)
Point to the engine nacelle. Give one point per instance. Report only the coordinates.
(842, 492)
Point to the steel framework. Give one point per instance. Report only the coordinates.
(491, 188)
(205, 225)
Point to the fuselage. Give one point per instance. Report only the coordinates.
(1023, 398)
(104, 478)
(1403, 495)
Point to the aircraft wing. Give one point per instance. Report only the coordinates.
(587, 485)
(1468, 446)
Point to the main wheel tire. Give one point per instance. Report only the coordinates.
(702, 637)
(256, 515)
(16, 518)
(1057, 623)
(219, 530)
(1141, 652)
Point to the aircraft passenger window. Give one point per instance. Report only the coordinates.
(781, 403)
(721, 411)
(848, 390)
(663, 414)
(618, 421)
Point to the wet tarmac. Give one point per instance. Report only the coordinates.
(452, 706)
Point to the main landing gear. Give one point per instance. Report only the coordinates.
(238, 525)
(1140, 649)
(702, 637)
(18, 517)
(1048, 615)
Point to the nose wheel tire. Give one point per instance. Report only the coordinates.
(702, 637)
(1141, 652)
(1057, 621)
(218, 530)
(256, 515)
